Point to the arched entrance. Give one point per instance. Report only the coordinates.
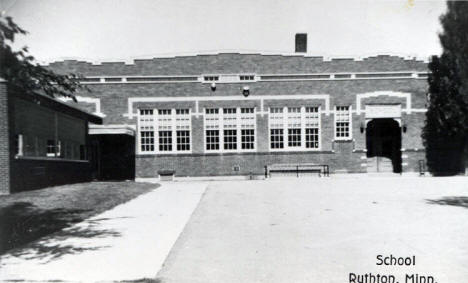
(383, 140)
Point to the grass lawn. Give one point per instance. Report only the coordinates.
(28, 216)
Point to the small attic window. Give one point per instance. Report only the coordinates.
(211, 78)
(247, 77)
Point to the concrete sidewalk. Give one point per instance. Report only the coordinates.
(128, 242)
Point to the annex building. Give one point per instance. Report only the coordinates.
(233, 114)
(43, 142)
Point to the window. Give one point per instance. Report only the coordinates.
(230, 129)
(212, 140)
(247, 139)
(183, 140)
(50, 148)
(164, 130)
(53, 149)
(294, 137)
(247, 124)
(165, 140)
(19, 145)
(211, 78)
(212, 125)
(312, 127)
(247, 77)
(147, 141)
(183, 124)
(294, 128)
(230, 140)
(146, 129)
(276, 138)
(342, 123)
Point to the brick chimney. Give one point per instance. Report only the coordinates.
(301, 42)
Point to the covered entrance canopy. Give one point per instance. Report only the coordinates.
(114, 154)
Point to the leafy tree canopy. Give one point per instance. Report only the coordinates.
(446, 126)
(21, 71)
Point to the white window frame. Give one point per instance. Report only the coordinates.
(153, 124)
(19, 145)
(350, 127)
(173, 128)
(319, 127)
(238, 128)
(285, 129)
(57, 147)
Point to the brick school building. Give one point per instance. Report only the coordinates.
(233, 114)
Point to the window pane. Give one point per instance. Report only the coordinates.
(276, 138)
(212, 140)
(294, 137)
(165, 141)
(247, 139)
(183, 140)
(230, 139)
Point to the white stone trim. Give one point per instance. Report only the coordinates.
(130, 114)
(234, 78)
(361, 96)
(114, 129)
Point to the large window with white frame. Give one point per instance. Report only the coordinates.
(312, 127)
(294, 128)
(164, 130)
(343, 122)
(230, 129)
(146, 130)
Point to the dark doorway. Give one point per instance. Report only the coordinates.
(383, 139)
(114, 157)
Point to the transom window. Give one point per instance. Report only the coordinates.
(230, 129)
(247, 77)
(211, 78)
(342, 123)
(164, 130)
(294, 128)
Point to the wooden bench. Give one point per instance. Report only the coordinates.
(320, 169)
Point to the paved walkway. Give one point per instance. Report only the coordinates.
(128, 242)
(318, 230)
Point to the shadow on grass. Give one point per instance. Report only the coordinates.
(461, 201)
(22, 223)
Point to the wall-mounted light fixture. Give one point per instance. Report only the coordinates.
(403, 128)
(213, 86)
(362, 127)
(245, 91)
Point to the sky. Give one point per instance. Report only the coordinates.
(110, 30)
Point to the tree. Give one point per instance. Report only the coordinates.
(445, 130)
(21, 72)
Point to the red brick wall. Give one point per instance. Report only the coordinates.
(249, 163)
(4, 141)
(346, 156)
(31, 174)
(232, 63)
(36, 123)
